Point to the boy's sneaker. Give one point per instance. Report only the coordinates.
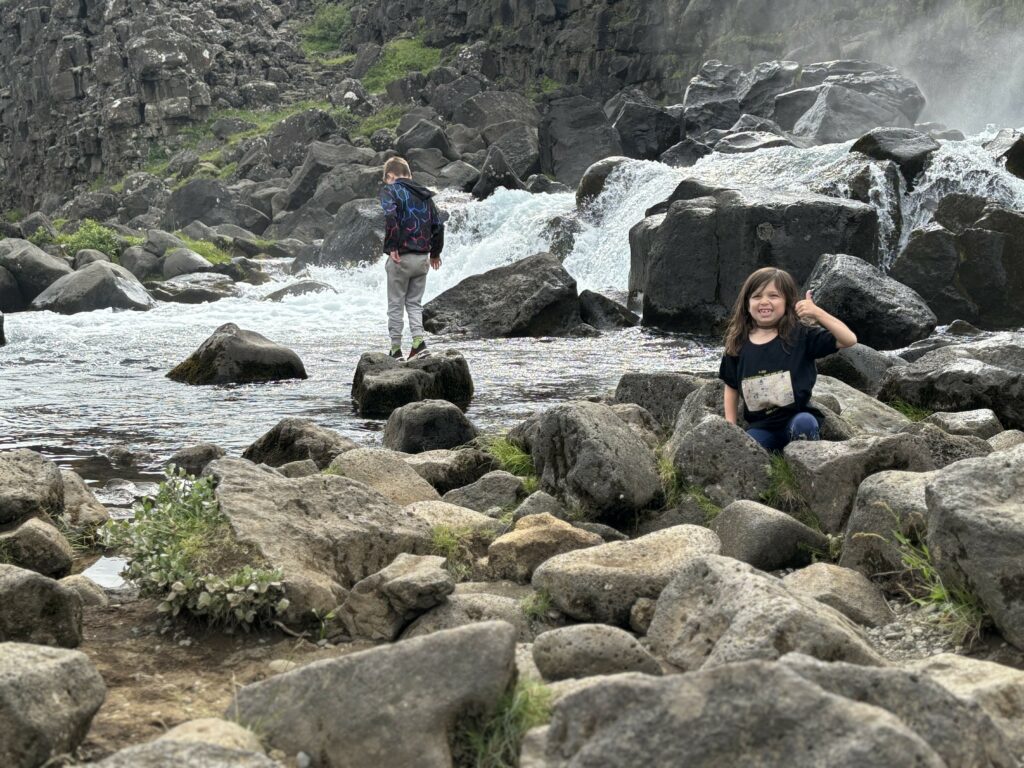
(417, 349)
(396, 352)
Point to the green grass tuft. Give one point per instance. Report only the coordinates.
(90, 234)
(388, 118)
(511, 458)
(784, 494)
(494, 741)
(454, 544)
(329, 28)
(399, 58)
(537, 606)
(697, 496)
(912, 412)
(208, 251)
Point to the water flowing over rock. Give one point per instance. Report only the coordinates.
(48, 697)
(233, 355)
(324, 532)
(908, 148)
(446, 673)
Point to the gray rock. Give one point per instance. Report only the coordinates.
(887, 503)
(36, 609)
(828, 474)
(662, 393)
(325, 533)
(48, 697)
(641, 422)
(301, 468)
(981, 423)
(205, 200)
(90, 593)
(531, 297)
(464, 609)
(480, 529)
(960, 731)
(82, 512)
(88, 256)
(533, 540)
(355, 234)
(447, 673)
(574, 134)
(194, 458)
(685, 154)
(645, 130)
(604, 314)
(381, 384)
(164, 752)
(860, 366)
(300, 288)
(37, 546)
(584, 650)
(909, 149)
(750, 141)
(861, 411)
(495, 489)
(294, 439)
(1006, 439)
(840, 114)
(100, 285)
(630, 720)
(766, 538)
(519, 146)
(385, 472)
(976, 531)
(541, 503)
(379, 606)
(30, 486)
(493, 107)
(585, 453)
(722, 460)
(426, 426)
(159, 242)
(883, 313)
(717, 611)
(183, 261)
(140, 262)
(459, 175)
(447, 470)
(601, 584)
(846, 590)
(945, 448)
(32, 269)
(232, 355)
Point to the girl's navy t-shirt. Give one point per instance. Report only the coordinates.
(775, 379)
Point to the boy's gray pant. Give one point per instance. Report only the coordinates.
(406, 282)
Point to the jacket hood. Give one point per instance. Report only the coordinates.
(417, 189)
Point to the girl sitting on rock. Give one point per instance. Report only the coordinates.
(770, 349)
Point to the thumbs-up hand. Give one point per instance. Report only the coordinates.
(807, 308)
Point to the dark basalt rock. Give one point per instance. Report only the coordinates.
(495, 173)
(908, 148)
(381, 383)
(236, 356)
(604, 313)
(573, 135)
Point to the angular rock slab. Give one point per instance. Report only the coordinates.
(585, 452)
(846, 590)
(48, 697)
(381, 384)
(747, 714)
(36, 609)
(30, 485)
(236, 356)
(976, 534)
(717, 610)
(294, 439)
(385, 472)
(535, 539)
(324, 532)
(398, 703)
(601, 584)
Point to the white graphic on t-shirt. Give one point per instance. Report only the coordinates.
(771, 390)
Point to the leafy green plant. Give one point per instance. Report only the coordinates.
(207, 250)
(181, 549)
(912, 412)
(955, 609)
(90, 234)
(399, 58)
(536, 606)
(13, 216)
(328, 29)
(493, 741)
(454, 544)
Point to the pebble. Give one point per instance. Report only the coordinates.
(302, 760)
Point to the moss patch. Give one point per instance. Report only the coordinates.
(399, 58)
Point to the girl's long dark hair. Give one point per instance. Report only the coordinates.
(741, 323)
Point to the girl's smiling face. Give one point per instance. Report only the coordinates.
(767, 305)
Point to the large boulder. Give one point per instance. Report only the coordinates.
(82, 511)
(860, 366)
(445, 673)
(495, 173)
(909, 149)
(884, 313)
(295, 439)
(446, 470)
(321, 159)
(37, 609)
(493, 107)
(752, 714)
(721, 460)
(381, 383)
(862, 411)
(356, 235)
(385, 472)
(48, 697)
(30, 486)
(828, 474)
(605, 314)
(662, 393)
(766, 538)
(585, 453)
(602, 583)
(324, 532)
(426, 426)
(183, 261)
(487, 601)
(206, 200)
(518, 142)
(846, 590)
(981, 423)
(498, 489)
(734, 232)
(31, 269)
(976, 531)
(232, 355)
(839, 114)
(100, 285)
(194, 288)
(574, 134)
(645, 130)
(37, 546)
(986, 373)
(717, 611)
(531, 297)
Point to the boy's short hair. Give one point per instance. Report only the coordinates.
(397, 167)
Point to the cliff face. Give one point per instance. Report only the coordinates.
(91, 87)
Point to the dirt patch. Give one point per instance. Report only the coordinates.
(160, 674)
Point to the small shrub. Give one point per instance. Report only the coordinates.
(536, 606)
(454, 545)
(180, 549)
(912, 412)
(208, 251)
(494, 741)
(399, 58)
(93, 235)
(13, 216)
(531, 484)
(328, 29)
(41, 237)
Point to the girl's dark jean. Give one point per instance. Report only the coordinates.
(803, 426)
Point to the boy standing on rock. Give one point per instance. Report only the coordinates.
(413, 239)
